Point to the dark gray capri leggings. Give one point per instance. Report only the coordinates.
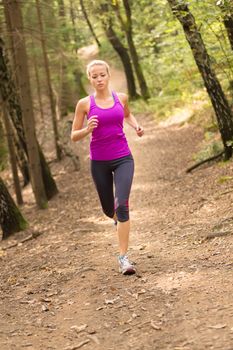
(120, 173)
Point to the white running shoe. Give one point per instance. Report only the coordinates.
(125, 266)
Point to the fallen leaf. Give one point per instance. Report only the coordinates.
(218, 326)
(2, 253)
(32, 301)
(78, 346)
(126, 330)
(111, 301)
(155, 326)
(94, 338)
(45, 300)
(99, 308)
(45, 308)
(79, 329)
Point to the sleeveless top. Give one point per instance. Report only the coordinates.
(108, 140)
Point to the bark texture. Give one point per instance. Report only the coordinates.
(14, 10)
(219, 101)
(49, 84)
(228, 22)
(120, 49)
(10, 97)
(11, 219)
(125, 59)
(89, 22)
(12, 155)
(127, 27)
(227, 12)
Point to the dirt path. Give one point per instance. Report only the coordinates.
(62, 290)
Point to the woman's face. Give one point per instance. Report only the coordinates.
(99, 77)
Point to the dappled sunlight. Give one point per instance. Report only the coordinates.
(60, 283)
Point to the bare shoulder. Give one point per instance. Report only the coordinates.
(84, 104)
(123, 98)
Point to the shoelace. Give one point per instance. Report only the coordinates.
(125, 260)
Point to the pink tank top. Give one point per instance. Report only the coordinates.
(108, 140)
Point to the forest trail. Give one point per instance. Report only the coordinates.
(63, 291)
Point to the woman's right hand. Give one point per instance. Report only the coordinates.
(92, 123)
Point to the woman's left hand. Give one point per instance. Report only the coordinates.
(139, 131)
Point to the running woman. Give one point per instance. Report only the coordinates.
(112, 164)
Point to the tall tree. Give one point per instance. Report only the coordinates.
(14, 10)
(77, 72)
(10, 43)
(227, 11)
(38, 85)
(64, 89)
(49, 84)
(73, 21)
(10, 97)
(219, 102)
(127, 27)
(120, 49)
(12, 153)
(11, 219)
(89, 22)
(21, 156)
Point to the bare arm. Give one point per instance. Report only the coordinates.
(78, 131)
(129, 117)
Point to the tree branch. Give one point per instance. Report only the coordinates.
(204, 161)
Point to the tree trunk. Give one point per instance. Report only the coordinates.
(21, 159)
(13, 7)
(9, 96)
(127, 28)
(12, 155)
(11, 219)
(35, 65)
(123, 54)
(227, 12)
(228, 22)
(89, 23)
(61, 7)
(65, 93)
(81, 91)
(11, 45)
(50, 90)
(72, 17)
(214, 89)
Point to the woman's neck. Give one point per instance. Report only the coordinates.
(103, 94)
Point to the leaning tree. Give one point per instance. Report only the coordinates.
(218, 99)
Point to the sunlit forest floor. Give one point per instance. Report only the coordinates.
(62, 290)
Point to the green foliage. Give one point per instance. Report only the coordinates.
(140, 106)
(63, 36)
(165, 56)
(106, 53)
(224, 179)
(212, 146)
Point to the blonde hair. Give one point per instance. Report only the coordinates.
(95, 63)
